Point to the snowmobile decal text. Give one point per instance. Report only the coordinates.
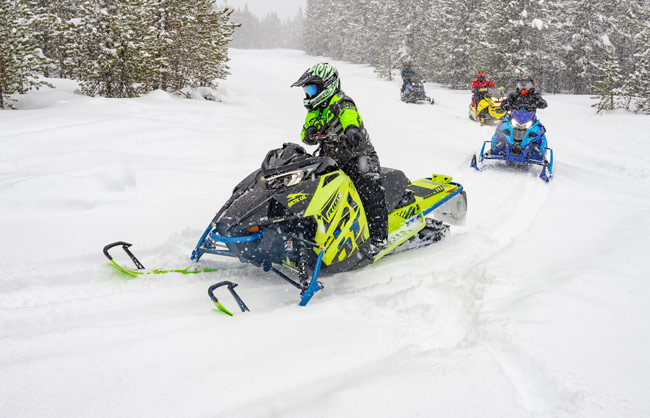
(294, 198)
(333, 207)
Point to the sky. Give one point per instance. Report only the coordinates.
(284, 8)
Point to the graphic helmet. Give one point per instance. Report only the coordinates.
(320, 83)
(525, 85)
(480, 75)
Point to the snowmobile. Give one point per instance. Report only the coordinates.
(488, 109)
(302, 214)
(299, 214)
(519, 139)
(414, 92)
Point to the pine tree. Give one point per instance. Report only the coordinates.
(211, 31)
(580, 34)
(247, 35)
(21, 61)
(124, 48)
(636, 87)
(112, 50)
(386, 48)
(608, 89)
(54, 31)
(458, 55)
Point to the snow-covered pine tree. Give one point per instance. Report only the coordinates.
(316, 20)
(459, 53)
(21, 60)
(516, 41)
(246, 35)
(294, 29)
(55, 31)
(208, 35)
(608, 89)
(423, 37)
(388, 36)
(548, 65)
(268, 32)
(111, 54)
(124, 48)
(580, 35)
(636, 87)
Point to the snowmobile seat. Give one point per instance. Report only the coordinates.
(395, 183)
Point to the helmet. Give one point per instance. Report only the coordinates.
(319, 82)
(525, 85)
(480, 75)
(407, 66)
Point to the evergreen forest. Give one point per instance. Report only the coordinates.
(124, 48)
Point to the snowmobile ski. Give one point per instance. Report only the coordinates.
(231, 288)
(193, 269)
(314, 285)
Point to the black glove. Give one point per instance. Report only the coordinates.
(505, 106)
(352, 137)
(311, 136)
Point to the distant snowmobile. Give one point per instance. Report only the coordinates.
(520, 138)
(302, 214)
(488, 109)
(414, 92)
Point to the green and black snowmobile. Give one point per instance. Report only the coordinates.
(302, 212)
(300, 215)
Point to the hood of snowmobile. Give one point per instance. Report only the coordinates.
(261, 206)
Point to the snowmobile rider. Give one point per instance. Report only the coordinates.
(330, 111)
(408, 76)
(524, 97)
(479, 82)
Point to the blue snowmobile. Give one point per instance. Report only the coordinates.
(519, 139)
(414, 92)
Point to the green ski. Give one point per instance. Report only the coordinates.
(193, 269)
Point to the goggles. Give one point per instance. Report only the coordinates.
(310, 90)
(524, 85)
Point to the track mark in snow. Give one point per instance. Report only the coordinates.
(537, 391)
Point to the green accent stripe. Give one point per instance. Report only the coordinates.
(125, 270)
(222, 308)
(193, 269)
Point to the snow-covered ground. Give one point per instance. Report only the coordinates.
(538, 307)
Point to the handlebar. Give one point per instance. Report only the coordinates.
(325, 141)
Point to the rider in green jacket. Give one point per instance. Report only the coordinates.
(334, 122)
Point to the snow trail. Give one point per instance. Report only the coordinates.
(535, 308)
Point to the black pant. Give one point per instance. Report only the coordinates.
(364, 171)
(477, 96)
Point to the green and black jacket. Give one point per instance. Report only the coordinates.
(335, 118)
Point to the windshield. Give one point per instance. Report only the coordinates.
(497, 92)
(288, 154)
(522, 116)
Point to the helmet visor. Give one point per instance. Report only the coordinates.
(524, 85)
(310, 90)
